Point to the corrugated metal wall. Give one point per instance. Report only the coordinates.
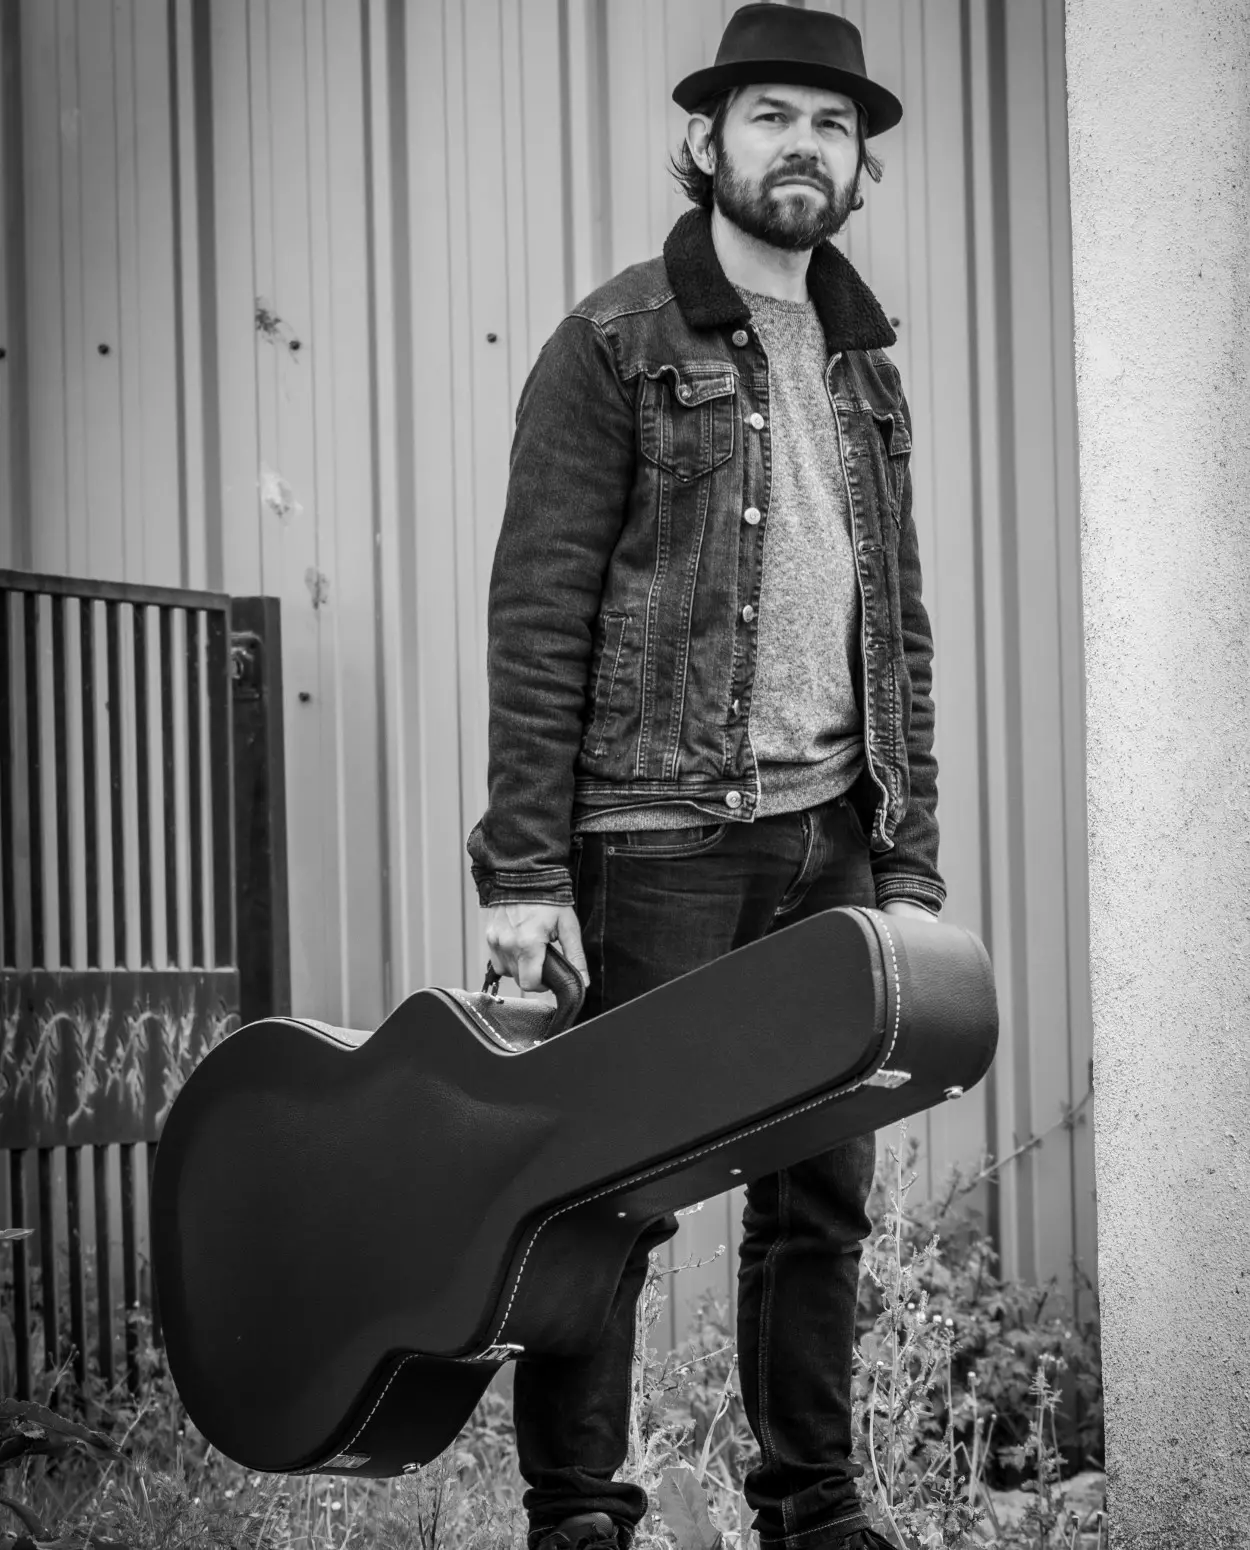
(273, 277)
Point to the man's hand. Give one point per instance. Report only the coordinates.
(517, 937)
(906, 907)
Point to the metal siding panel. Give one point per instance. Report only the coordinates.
(587, 102)
(320, 357)
(154, 264)
(387, 284)
(10, 304)
(543, 300)
(956, 1131)
(1072, 641)
(631, 170)
(1040, 685)
(191, 363)
(49, 542)
(130, 300)
(347, 540)
(990, 475)
(284, 355)
(239, 517)
(452, 947)
(100, 550)
(482, 413)
(73, 339)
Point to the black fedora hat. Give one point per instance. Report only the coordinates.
(797, 48)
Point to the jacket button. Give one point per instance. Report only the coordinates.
(733, 799)
(734, 706)
(748, 613)
(683, 392)
(741, 337)
(751, 515)
(757, 422)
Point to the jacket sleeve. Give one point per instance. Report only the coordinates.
(910, 870)
(569, 480)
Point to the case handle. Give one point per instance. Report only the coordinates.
(560, 976)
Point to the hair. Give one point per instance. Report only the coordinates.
(697, 184)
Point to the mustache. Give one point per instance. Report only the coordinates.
(815, 175)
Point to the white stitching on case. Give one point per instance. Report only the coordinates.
(815, 1103)
(740, 1135)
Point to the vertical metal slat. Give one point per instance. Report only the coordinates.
(195, 787)
(157, 1339)
(73, 1222)
(142, 785)
(130, 1263)
(86, 630)
(21, 1274)
(167, 782)
(60, 776)
(103, 1276)
(34, 803)
(113, 649)
(47, 1262)
(220, 774)
(7, 865)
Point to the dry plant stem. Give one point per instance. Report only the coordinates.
(898, 1294)
(721, 1407)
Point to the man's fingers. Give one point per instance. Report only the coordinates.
(569, 935)
(529, 965)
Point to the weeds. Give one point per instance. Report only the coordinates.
(959, 1394)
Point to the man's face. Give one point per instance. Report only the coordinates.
(787, 164)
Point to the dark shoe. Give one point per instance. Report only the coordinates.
(586, 1531)
(867, 1539)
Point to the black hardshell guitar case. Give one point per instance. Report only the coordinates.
(351, 1232)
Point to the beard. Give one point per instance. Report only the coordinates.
(791, 220)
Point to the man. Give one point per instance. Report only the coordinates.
(710, 706)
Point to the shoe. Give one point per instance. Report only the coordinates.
(585, 1531)
(867, 1539)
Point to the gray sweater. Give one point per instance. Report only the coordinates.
(804, 724)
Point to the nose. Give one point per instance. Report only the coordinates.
(803, 141)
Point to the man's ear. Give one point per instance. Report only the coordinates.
(699, 139)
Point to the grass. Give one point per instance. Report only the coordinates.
(955, 1396)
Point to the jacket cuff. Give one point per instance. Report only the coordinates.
(550, 885)
(910, 887)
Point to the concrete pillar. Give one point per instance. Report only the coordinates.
(1159, 137)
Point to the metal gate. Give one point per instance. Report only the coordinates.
(141, 813)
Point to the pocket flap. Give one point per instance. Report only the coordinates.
(894, 428)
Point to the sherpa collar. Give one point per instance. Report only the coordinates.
(849, 313)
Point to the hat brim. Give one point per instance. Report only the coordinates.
(881, 107)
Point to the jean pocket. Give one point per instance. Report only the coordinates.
(854, 820)
(667, 844)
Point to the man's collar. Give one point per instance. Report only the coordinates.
(849, 313)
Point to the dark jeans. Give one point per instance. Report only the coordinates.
(654, 905)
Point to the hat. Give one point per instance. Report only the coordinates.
(798, 48)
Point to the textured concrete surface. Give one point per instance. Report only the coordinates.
(1159, 137)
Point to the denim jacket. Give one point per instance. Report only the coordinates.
(621, 651)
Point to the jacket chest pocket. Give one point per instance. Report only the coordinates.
(895, 444)
(687, 419)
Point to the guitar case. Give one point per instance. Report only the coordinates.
(352, 1231)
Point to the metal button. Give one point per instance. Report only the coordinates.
(741, 337)
(757, 422)
(733, 799)
(748, 613)
(735, 705)
(751, 515)
(683, 392)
